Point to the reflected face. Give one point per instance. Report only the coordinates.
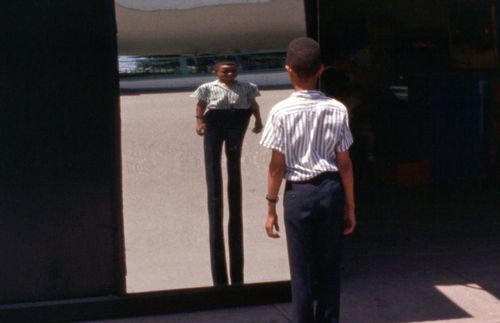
(226, 73)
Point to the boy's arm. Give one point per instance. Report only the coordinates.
(200, 124)
(276, 173)
(344, 165)
(254, 106)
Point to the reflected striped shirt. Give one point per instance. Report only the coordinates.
(217, 96)
(309, 128)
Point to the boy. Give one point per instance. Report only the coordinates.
(222, 115)
(310, 137)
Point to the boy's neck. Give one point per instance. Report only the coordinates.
(228, 83)
(305, 85)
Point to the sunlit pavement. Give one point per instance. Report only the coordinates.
(164, 196)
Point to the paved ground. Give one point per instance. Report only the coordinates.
(166, 225)
(420, 255)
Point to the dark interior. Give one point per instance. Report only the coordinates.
(422, 80)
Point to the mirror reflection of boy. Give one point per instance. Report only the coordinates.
(309, 136)
(223, 111)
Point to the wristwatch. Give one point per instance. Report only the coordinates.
(272, 200)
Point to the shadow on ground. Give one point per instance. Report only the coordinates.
(424, 254)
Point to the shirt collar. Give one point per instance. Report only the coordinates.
(308, 94)
(219, 83)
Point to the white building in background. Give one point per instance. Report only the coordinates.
(192, 31)
(194, 27)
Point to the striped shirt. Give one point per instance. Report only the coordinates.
(217, 96)
(309, 128)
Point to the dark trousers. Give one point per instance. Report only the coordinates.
(313, 213)
(226, 127)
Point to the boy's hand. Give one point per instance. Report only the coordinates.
(350, 221)
(271, 224)
(257, 126)
(200, 128)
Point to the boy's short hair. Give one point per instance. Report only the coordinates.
(304, 56)
(219, 63)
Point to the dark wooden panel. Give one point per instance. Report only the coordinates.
(60, 201)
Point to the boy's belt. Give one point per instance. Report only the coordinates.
(319, 178)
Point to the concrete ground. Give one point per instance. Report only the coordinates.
(164, 196)
(427, 254)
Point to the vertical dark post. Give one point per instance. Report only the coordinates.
(311, 11)
(60, 201)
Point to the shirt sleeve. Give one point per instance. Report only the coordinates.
(201, 93)
(345, 140)
(273, 136)
(253, 91)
